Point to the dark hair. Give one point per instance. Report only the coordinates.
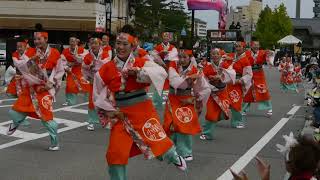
(304, 156)
(129, 30)
(240, 39)
(74, 35)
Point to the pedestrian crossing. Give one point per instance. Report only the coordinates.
(22, 136)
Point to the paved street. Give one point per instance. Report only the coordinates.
(23, 156)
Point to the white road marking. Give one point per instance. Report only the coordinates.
(244, 160)
(10, 105)
(293, 110)
(82, 111)
(26, 136)
(4, 100)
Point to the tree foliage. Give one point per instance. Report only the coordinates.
(273, 25)
(154, 16)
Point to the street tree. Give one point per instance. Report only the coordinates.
(273, 25)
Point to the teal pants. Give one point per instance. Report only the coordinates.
(263, 105)
(208, 127)
(51, 126)
(183, 143)
(288, 87)
(237, 118)
(119, 172)
(93, 116)
(12, 96)
(72, 98)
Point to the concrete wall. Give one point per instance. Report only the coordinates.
(53, 9)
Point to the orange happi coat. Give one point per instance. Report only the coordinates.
(142, 115)
(219, 102)
(74, 80)
(91, 65)
(35, 92)
(177, 116)
(236, 91)
(259, 89)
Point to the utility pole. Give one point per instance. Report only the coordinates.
(192, 26)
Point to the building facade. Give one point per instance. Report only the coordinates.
(200, 28)
(18, 16)
(316, 8)
(308, 30)
(247, 16)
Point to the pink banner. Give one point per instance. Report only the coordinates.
(217, 5)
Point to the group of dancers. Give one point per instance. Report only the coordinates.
(291, 75)
(116, 82)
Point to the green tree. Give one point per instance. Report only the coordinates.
(154, 16)
(272, 26)
(148, 15)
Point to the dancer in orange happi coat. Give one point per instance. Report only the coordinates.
(42, 72)
(105, 45)
(188, 92)
(13, 76)
(92, 62)
(218, 105)
(259, 91)
(287, 75)
(281, 67)
(75, 83)
(297, 74)
(240, 63)
(203, 63)
(120, 96)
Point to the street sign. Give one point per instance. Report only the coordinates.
(100, 21)
(222, 35)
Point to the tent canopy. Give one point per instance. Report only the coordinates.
(289, 40)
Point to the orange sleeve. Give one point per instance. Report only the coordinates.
(87, 60)
(110, 76)
(158, 48)
(30, 52)
(15, 55)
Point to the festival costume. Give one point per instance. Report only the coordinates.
(218, 105)
(35, 100)
(108, 49)
(140, 130)
(167, 53)
(91, 64)
(287, 82)
(237, 91)
(258, 93)
(297, 74)
(184, 104)
(75, 83)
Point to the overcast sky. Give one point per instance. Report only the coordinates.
(306, 9)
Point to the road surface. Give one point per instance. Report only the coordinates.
(23, 156)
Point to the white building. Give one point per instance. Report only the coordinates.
(59, 15)
(200, 28)
(246, 15)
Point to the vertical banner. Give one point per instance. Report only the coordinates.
(100, 21)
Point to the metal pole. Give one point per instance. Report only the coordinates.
(192, 26)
